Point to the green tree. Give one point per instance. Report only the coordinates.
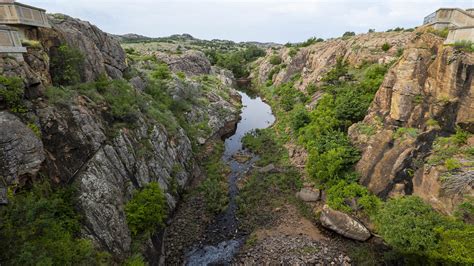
(146, 211)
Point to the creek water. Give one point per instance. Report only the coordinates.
(224, 231)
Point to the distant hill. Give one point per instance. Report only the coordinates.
(186, 38)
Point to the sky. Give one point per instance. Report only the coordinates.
(248, 20)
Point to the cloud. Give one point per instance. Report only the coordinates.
(261, 20)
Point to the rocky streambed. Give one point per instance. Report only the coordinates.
(218, 240)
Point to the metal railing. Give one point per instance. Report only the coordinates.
(430, 18)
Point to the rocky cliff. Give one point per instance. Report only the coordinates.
(426, 95)
(425, 98)
(313, 61)
(75, 141)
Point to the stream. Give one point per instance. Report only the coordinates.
(227, 239)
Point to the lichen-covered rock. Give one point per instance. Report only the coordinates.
(343, 224)
(21, 151)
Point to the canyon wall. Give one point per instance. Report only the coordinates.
(78, 144)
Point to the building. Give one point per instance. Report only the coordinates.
(460, 23)
(16, 20)
(10, 40)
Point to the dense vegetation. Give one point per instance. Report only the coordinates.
(214, 188)
(40, 227)
(236, 61)
(66, 65)
(11, 93)
(146, 211)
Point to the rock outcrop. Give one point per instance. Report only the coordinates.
(314, 61)
(21, 151)
(343, 224)
(428, 92)
(190, 62)
(103, 53)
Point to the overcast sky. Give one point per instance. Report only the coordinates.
(248, 20)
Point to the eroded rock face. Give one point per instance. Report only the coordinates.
(430, 82)
(21, 151)
(343, 224)
(103, 53)
(191, 62)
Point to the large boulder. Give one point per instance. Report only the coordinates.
(343, 224)
(21, 151)
(308, 194)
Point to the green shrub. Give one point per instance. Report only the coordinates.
(66, 66)
(11, 91)
(263, 142)
(215, 188)
(463, 45)
(340, 194)
(274, 71)
(35, 129)
(432, 123)
(327, 168)
(456, 246)
(400, 52)
(348, 34)
(407, 224)
(310, 41)
(445, 148)
(161, 72)
(293, 51)
(300, 118)
(452, 164)
(441, 33)
(341, 69)
(122, 100)
(386, 46)
(465, 210)
(413, 227)
(135, 260)
(41, 227)
(403, 132)
(146, 211)
(275, 60)
(365, 129)
(289, 96)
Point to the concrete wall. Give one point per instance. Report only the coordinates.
(460, 34)
(10, 41)
(22, 14)
(456, 17)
